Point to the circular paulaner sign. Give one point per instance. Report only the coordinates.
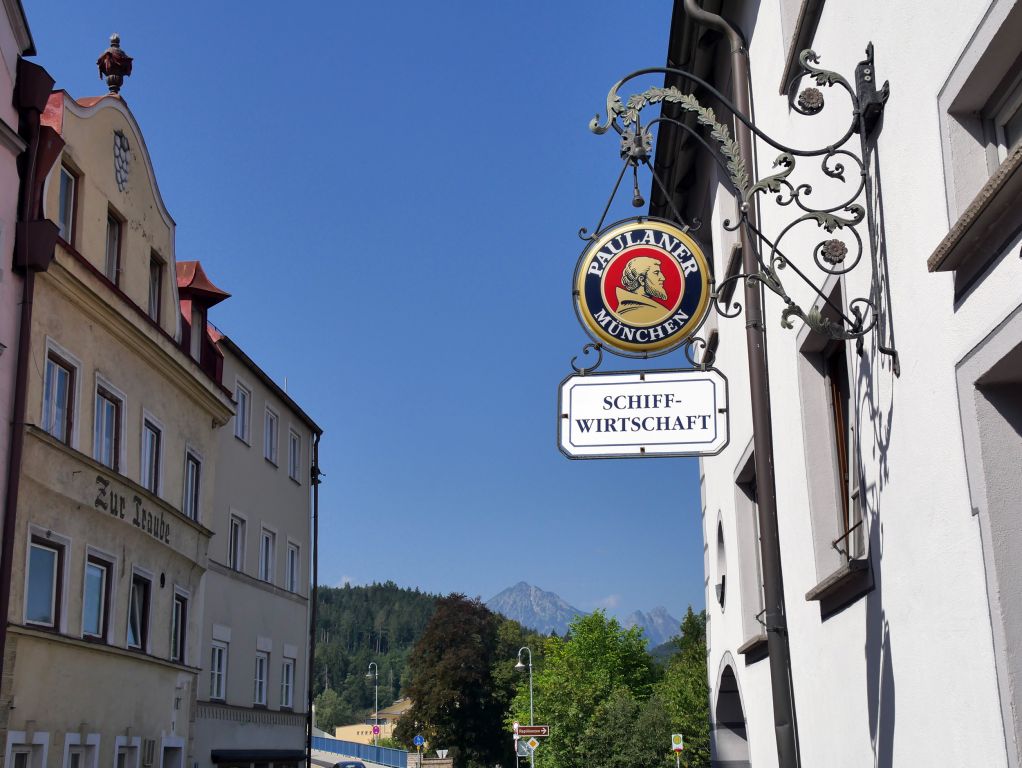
(642, 288)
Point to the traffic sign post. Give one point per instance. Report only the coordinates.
(677, 744)
(418, 741)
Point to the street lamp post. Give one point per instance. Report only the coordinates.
(374, 673)
(521, 668)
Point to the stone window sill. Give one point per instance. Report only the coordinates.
(843, 587)
(754, 649)
(985, 227)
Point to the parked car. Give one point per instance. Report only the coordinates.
(350, 764)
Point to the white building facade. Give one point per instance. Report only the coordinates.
(253, 695)
(898, 485)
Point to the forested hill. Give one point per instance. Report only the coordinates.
(359, 625)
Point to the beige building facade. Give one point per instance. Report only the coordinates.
(114, 511)
(253, 697)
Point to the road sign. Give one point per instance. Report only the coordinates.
(376, 730)
(677, 742)
(521, 748)
(514, 726)
(441, 753)
(653, 413)
(533, 743)
(533, 730)
(418, 741)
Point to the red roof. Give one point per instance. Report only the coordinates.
(192, 282)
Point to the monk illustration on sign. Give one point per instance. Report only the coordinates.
(641, 283)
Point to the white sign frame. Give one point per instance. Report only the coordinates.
(706, 432)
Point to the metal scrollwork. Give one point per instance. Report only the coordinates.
(586, 350)
(841, 169)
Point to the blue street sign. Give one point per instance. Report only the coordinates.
(418, 741)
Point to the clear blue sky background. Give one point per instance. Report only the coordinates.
(391, 192)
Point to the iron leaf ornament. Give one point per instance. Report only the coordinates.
(841, 164)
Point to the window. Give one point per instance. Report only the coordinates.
(58, 397)
(287, 683)
(112, 266)
(750, 557)
(835, 370)
(262, 663)
(68, 201)
(178, 627)
(151, 438)
(1007, 120)
(218, 671)
(236, 544)
(294, 455)
(138, 612)
(292, 567)
(21, 757)
(155, 286)
(190, 502)
(270, 436)
(196, 329)
(266, 542)
(96, 599)
(107, 438)
(45, 579)
(75, 757)
(242, 416)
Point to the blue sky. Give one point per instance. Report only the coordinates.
(391, 192)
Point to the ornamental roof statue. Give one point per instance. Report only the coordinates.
(114, 64)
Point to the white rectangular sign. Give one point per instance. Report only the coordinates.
(656, 413)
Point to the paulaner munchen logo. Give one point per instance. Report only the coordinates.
(642, 288)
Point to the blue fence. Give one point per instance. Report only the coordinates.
(395, 758)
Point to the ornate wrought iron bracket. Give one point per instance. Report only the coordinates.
(842, 166)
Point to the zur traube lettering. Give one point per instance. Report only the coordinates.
(669, 423)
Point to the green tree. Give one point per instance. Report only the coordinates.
(599, 667)
(457, 704)
(685, 692)
(331, 710)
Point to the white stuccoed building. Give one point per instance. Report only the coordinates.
(898, 494)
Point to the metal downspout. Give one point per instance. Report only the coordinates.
(314, 599)
(33, 86)
(785, 727)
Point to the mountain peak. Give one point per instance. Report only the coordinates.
(534, 608)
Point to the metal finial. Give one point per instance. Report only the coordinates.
(114, 64)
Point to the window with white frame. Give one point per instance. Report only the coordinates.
(75, 757)
(156, 265)
(236, 544)
(294, 455)
(127, 756)
(193, 473)
(293, 561)
(178, 627)
(112, 265)
(139, 599)
(262, 664)
(243, 412)
(152, 437)
(21, 757)
(44, 582)
(270, 422)
(218, 671)
(58, 396)
(96, 597)
(106, 442)
(67, 204)
(287, 683)
(266, 544)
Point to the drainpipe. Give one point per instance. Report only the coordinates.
(35, 240)
(309, 677)
(785, 727)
